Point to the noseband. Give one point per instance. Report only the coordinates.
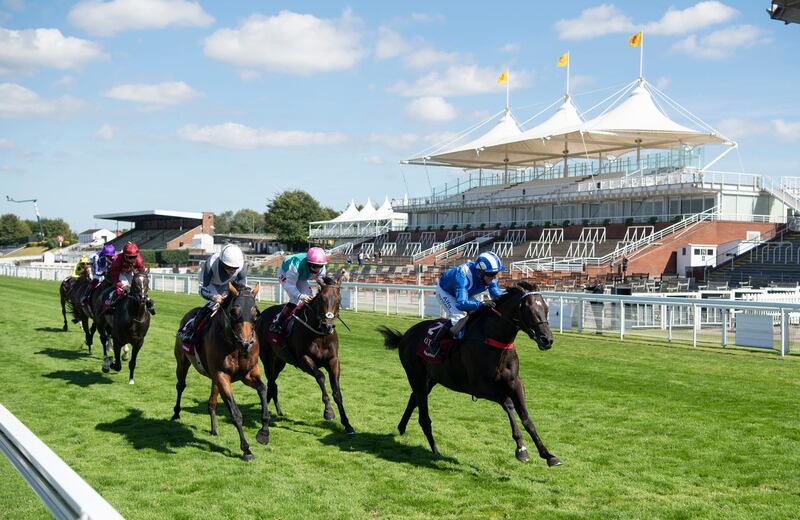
(230, 321)
(320, 318)
(515, 320)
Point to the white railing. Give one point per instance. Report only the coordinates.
(452, 235)
(468, 248)
(635, 233)
(389, 249)
(581, 249)
(412, 248)
(552, 235)
(503, 249)
(439, 246)
(65, 494)
(777, 189)
(539, 250)
(592, 234)
(516, 235)
(427, 238)
(368, 248)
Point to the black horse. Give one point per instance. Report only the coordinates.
(127, 323)
(312, 345)
(483, 364)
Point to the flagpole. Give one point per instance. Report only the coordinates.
(508, 86)
(641, 56)
(568, 57)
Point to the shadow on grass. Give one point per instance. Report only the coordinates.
(251, 412)
(49, 329)
(384, 446)
(63, 354)
(82, 378)
(161, 435)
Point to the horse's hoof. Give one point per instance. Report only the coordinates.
(401, 429)
(175, 417)
(247, 457)
(329, 415)
(130, 382)
(125, 352)
(64, 328)
(349, 430)
(106, 365)
(262, 437)
(214, 433)
(522, 455)
(116, 366)
(554, 461)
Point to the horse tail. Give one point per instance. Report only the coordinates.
(391, 337)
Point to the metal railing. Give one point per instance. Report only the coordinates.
(439, 246)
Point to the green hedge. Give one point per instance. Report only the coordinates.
(165, 256)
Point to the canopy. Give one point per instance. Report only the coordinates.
(348, 214)
(366, 213)
(385, 211)
(473, 153)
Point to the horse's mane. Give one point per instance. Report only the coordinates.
(327, 280)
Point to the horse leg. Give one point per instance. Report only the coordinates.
(224, 384)
(181, 369)
(412, 404)
(253, 380)
(87, 332)
(117, 364)
(272, 382)
(106, 347)
(518, 399)
(425, 419)
(132, 362)
(522, 451)
(328, 414)
(212, 407)
(336, 390)
(64, 312)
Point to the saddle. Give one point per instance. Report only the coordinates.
(280, 340)
(446, 344)
(192, 348)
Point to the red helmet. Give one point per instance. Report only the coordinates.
(130, 249)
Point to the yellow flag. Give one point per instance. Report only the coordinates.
(563, 60)
(503, 77)
(635, 40)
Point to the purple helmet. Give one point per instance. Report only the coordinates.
(108, 250)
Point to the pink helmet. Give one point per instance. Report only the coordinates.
(317, 255)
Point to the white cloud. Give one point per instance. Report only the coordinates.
(18, 101)
(431, 110)
(720, 44)
(663, 82)
(425, 58)
(579, 81)
(460, 80)
(700, 15)
(249, 75)
(105, 133)
(109, 18)
(390, 44)
(595, 21)
(510, 48)
(787, 131)
(154, 97)
(441, 138)
(5, 143)
(394, 141)
(30, 49)
(238, 136)
(289, 42)
(739, 128)
(65, 82)
(372, 159)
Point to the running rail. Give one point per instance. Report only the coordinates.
(62, 491)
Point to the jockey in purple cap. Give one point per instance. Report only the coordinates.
(101, 264)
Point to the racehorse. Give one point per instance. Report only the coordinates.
(228, 352)
(127, 323)
(483, 364)
(72, 291)
(311, 345)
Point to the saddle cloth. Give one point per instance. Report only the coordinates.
(279, 340)
(445, 344)
(192, 348)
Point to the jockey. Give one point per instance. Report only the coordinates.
(79, 268)
(227, 266)
(101, 263)
(122, 269)
(294, 274)
(456, 289)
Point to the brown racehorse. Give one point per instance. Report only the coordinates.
(228, 352)
(72, 291)
(127, 323)
(312, 345)
(478, 365)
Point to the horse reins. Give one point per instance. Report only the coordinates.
(515, 321)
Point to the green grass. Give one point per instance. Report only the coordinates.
(644, 430)
(28, 251)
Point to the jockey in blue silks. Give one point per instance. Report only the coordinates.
(456, 289)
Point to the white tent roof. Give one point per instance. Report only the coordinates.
(385, 211)
(472, 154)
(367, 212)
(635, 123)
(349, 212)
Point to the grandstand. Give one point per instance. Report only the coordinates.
(162, 229)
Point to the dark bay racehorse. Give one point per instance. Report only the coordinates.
(484, 364)
(72, 291)
(127, 323)
(312, 345)
(228, 352)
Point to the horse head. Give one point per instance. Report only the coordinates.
(140, 283)
(326, 303)
(86, 272)
(241, 313)
(533, 313)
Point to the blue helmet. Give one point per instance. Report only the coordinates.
(489, 263)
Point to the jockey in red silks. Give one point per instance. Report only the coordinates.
(122, 269)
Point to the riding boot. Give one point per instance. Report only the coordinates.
(432, 349)
(151, 306)
(278, 324)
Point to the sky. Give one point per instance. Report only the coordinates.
(127, 105)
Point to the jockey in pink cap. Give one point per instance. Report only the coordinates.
(294, 274)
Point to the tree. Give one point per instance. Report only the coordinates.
(53, 227)
(247, 221)
(222, 222)
(13, 230)
(288, 215)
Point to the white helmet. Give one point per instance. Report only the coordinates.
(232, 256)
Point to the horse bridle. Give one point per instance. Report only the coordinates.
(515, 320)
(230, 321)
(320, 317)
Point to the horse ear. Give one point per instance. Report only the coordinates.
(256, 289)
(321, 282)
(232, 288)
